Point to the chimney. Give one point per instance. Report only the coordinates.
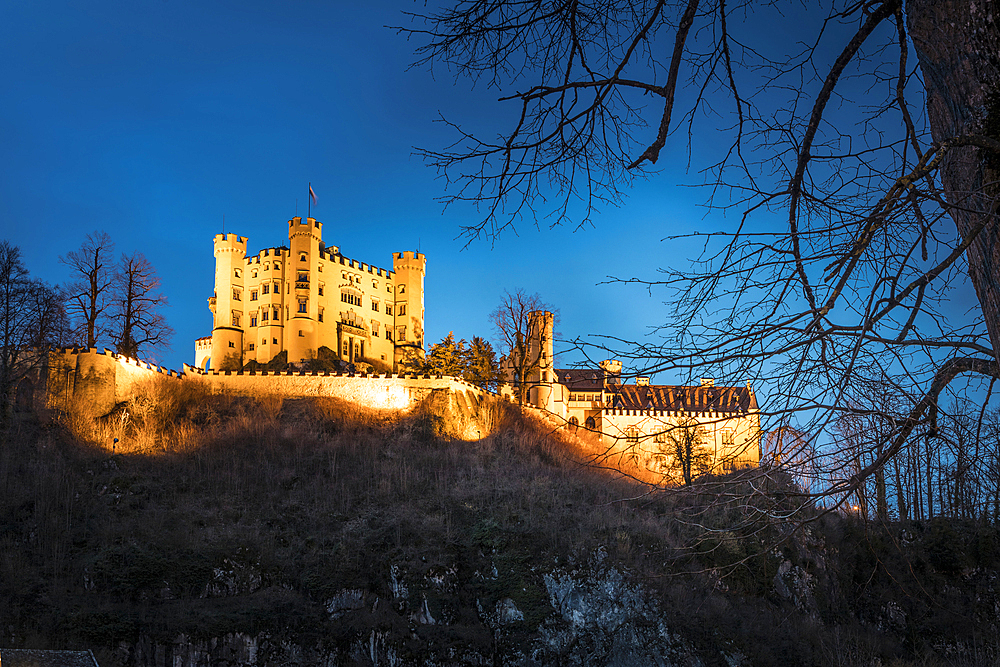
(708, 382)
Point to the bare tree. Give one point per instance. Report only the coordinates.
(31, 321)
(88, 293)
(832, 136)
(514, 321)
(685, 444)
(139, 323)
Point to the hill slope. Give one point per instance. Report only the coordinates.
(226, 529)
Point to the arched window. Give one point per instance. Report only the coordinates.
(591, 423)
(574, 424)
(632, 435)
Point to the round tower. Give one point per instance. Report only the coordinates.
(540, 347)
(305, 237)
(408, 315)
(228, 305)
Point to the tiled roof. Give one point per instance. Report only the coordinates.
(581, 379)
(687, 399)
(14, 657)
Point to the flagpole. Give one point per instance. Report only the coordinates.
(309, 194)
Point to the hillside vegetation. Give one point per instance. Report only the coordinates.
(226, 529)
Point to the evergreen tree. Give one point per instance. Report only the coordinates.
(481, 366)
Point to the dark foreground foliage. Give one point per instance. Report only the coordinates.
(215, 515)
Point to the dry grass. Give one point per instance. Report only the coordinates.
(315, 496)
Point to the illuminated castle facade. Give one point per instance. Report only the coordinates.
(307, 295)
(638, 419)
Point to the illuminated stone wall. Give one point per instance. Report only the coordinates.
(102, 379)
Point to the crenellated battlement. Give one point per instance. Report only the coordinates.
(230, 243)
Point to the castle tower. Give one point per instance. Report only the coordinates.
(228, 303)
(540, 347)
(408, 314)
(305, 238)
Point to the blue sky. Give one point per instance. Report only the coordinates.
(154, 120)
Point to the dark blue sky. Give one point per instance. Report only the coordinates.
(154, 120)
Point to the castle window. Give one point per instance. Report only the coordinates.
(266, 288)
(388, 288)
(263, 341)
(388, 333)
(375, 305)
(402, 289)
(321, 289)
(276, 315)
(320, 315)
(401, 309)
(375, 327)
(274, 341)
(232, 344)
(401, 335)
(236, 273)
(374, 284)
(302, 305)
(236, 295)
(303, 277)
(320, 268)
(303, 256)
(251, 347)
(236, 319)
(660, 437)
(632, 435)
(301, 335)
(253, 320)
(266, 266)
(727, 437)
(388, 309)
(263, 316)
(253, 274)
(253, 295)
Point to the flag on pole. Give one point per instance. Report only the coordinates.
(312, 195)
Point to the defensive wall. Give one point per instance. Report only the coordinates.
(103, 379)
(386, 392)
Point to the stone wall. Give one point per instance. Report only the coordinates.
(103, 379)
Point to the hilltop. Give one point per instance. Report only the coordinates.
(261, 530)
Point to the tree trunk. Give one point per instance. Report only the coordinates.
(901, 507)
(958, 47)
(881, 504)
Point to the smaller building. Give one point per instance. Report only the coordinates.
(642, 420)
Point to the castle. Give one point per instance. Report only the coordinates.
(305, 296)
(638, 419)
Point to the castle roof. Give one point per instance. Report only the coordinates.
(728, 400)
(581, 379)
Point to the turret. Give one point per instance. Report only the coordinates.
(305, 236)
(408, 314)
(228, 305)
(541, 348)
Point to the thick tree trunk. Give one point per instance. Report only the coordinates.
(958, 47)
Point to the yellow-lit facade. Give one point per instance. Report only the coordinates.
(637, 419)
(308, 295)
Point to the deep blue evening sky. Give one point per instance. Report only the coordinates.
(153, 120)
